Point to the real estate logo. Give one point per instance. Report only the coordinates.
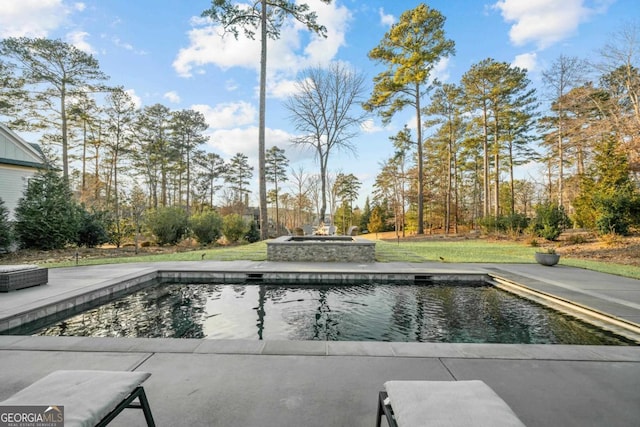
(32, 416)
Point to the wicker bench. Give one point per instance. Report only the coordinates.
(13, 277)
(443, 404)
(88, 398)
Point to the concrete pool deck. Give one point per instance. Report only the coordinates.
(311, 383)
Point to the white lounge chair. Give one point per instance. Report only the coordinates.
(87, 398)
(443, 404)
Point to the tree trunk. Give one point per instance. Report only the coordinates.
(188, 182)
(323, 185)
(65, 142)
(560, 163)
(420, 164)
(264, 221)
(513, 195)
(447, 219)
(485, 172)
(84, 157)
(496, 160)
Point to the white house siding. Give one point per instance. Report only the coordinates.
(11, 149)
(19, 161)
(13, 183)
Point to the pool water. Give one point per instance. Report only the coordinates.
(373, 312)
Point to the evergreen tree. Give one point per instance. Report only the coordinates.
(609, 200)
(12, 94)
(47, 217)
(209, 169)
(237, 175)
(207, 227)
(376, 222)
(276, 172)
(61, 70)
(346, 188)
(168, 224)
(187, 128)
(366, 215)
(501, 95)
(120, 114)
(5, 227)
(154, 153)
(411, 49)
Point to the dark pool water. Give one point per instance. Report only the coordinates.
(380, 312)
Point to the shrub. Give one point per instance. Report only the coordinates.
(515, 223)
(234, 227)
(47, 216)
(253, 235)
(612, 239)
(92, 230)
(488, 224)
(206, 226)
(577, 239)
(511, 224)
(550, 221)
(168, 224)
(613, 214)
(6, 238)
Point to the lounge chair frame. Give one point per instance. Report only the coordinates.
(143, 404)
(386, 410)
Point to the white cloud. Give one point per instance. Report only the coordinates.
(370, 126)
(228, 142)
(207, 45)
(231, 85)
(441, 70)
(79, 6)
(227, 115)
(386, 19)
(545, 22)
(281, 88)
(127, 46)
(528, 61)
(77, 39)
(31, 18)
(172, 96)
(137, 101)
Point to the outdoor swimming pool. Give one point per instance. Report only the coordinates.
(367, 312)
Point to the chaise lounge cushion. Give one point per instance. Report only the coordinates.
(448, 403)
(17, 267)
(87, 396)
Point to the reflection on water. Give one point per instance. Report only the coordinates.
(422, 313)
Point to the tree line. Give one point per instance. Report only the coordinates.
(454, 168)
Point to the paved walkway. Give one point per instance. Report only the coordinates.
(309, 383)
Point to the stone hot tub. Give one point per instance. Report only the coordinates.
(321, 249)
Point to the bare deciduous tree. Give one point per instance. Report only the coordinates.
(325, 110)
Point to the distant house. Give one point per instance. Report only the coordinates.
(19, 161)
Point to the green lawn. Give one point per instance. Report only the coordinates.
(473, 251)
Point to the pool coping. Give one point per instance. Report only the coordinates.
(559, 352)
(141, 275)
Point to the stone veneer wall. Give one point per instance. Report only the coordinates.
(317, 249)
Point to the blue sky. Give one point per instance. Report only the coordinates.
(161, 51)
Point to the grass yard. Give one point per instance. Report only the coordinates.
(449, 251)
